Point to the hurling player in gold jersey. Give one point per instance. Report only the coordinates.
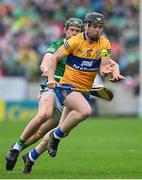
(84, 61)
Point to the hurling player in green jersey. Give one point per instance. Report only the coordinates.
(49, 110)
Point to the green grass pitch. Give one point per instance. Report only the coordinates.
(99, 148)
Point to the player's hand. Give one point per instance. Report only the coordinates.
(106, 70)
(45, 73)
(117, 78)
(52, 84)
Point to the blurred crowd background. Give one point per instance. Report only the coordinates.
(27, 28)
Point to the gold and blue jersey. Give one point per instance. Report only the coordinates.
(83, 60)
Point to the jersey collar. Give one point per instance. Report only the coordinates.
(84, 36)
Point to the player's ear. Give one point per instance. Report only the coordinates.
(65, 29)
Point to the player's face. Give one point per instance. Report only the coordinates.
(94, 30)
(72, 31)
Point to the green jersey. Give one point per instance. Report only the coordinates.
(61, 64)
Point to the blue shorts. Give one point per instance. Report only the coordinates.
(61, 93)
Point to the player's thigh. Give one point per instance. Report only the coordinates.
(46, 103)
(76, 101)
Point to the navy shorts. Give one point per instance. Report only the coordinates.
(61, 93)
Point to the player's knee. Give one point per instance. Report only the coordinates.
(40, 119)
(47, 114)
(86, 113)
(44, 116)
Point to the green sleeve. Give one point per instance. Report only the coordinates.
(61, 65)
(54, 46)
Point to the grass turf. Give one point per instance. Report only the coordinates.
(96, 149)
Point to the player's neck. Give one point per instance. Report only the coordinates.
(91, 41)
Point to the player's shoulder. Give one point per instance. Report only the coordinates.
(104, 39)
(58, 42)
(78, 36)
(54, 46)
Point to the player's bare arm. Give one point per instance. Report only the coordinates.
(44, 64)
(108, 66)
(52, 63)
